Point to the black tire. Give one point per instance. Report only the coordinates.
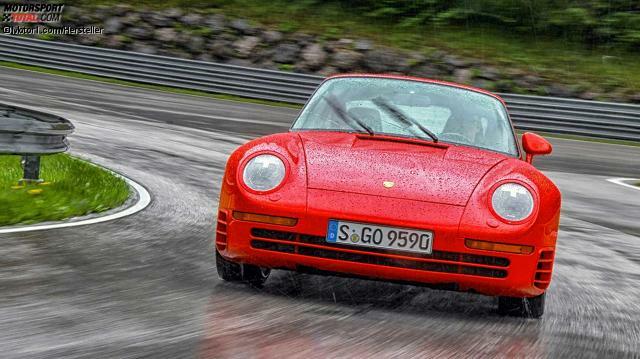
(239, 272)
(522, 307)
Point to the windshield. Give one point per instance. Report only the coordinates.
(409, 109)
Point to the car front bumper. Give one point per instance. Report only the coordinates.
(452, 265)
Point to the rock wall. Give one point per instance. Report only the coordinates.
(214, 37)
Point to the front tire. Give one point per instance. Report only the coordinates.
(239, 272)
(522, 307)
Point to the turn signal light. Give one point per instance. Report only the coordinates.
(498, 247)
(263, 218)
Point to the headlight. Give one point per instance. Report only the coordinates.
(512, 202)
(263, 173)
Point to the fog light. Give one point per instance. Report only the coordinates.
(263, 218)
(498, 247)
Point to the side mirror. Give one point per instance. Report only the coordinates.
(535, 145)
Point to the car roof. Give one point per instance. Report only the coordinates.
(418, 79)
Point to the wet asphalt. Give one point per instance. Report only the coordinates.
(146, 286)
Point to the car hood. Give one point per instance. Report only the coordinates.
(419, 171)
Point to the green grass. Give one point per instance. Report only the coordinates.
(286, 67)
(146, 86)
(72, 188)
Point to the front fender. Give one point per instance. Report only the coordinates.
(479, 222)
(289, 199)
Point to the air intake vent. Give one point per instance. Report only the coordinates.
(544, 270)
(438, 261)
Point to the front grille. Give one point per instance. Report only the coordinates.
(272, 246)
(307, 245)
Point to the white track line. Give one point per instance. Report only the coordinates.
(143, 201)
(623, 182)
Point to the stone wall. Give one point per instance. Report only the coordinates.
(214, 37)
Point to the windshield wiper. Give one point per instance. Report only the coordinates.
(398, 114)
(346, 117)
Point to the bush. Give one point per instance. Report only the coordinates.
(594, 22)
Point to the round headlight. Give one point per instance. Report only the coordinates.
(263, 173)
(512, 202)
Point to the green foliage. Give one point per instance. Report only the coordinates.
(591, 21)
(288, 26)
(332, 33)
(201, 31)
(286, 67)
(47, 37)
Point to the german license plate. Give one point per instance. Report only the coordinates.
(374, 236)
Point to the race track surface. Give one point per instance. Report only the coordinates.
(146, 286)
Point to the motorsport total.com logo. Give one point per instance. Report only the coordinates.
(31, 12)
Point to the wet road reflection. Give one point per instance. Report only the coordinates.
(306, 316)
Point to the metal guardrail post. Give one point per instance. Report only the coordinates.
(32, 134)
(31, 167)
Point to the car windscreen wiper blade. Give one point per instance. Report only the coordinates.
(398, 114)
(346, 117)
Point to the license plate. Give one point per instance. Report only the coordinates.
(370, 235)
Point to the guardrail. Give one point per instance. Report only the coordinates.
(535, 113)
(32, 134)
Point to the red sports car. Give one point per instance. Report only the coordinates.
(399, 179)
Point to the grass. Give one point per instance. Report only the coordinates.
(146, 86)
(570, 62)
(72, 188)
